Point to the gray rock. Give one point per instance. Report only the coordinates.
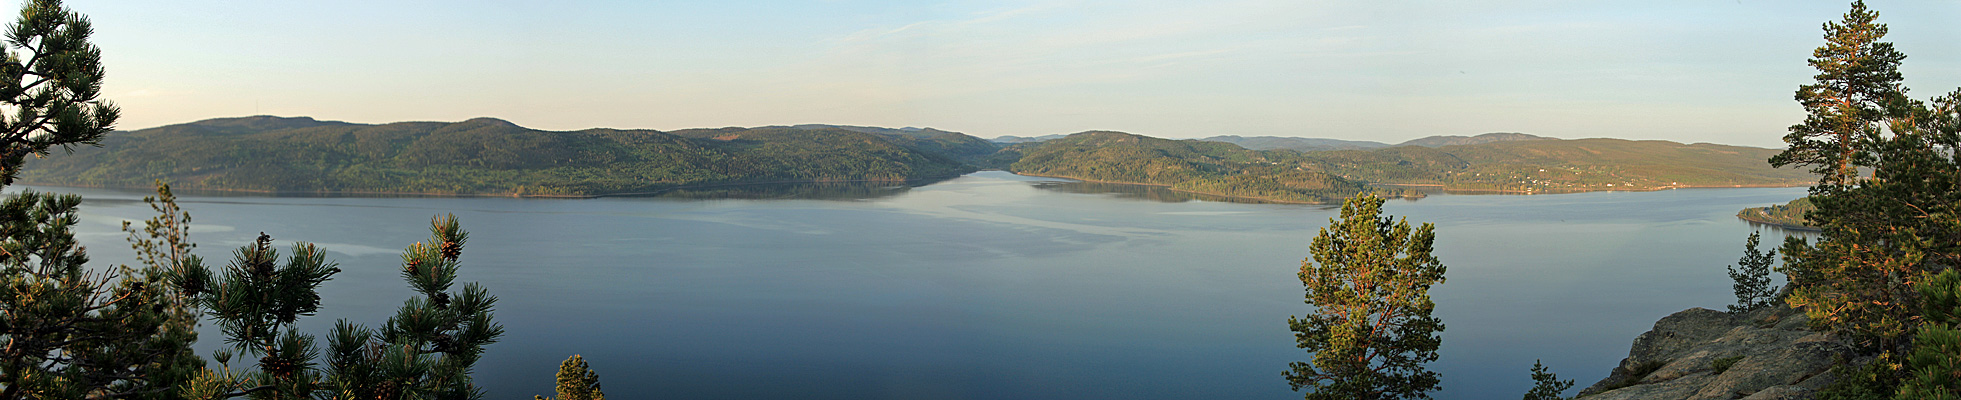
(1656, 348)
(1782, 393)
(1787, 364)
(1767, 349)
(1680, 388)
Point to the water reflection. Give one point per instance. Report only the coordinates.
(795, 191)
(1169, 195)
(749, 191)
(1808, 233)
(1140, 192)
(991, 286)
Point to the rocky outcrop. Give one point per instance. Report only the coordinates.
(1707, 354)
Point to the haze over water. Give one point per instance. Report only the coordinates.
(989, 286)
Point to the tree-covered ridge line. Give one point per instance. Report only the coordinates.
(493, 157)
(1523, 166)
(1788, 215)
(1321, 144)
(1215, 168)
(489, 156)
(1558, 166)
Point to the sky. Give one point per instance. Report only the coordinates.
(1720, 71)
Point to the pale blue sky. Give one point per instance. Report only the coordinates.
(1694, 71)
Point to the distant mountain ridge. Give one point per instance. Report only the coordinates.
(1188, 165)
(492, 156)
(263, 122)
(1441, 141)
(1501, 162)
(1554, 165)
(1021, 139)
(1321, 144)
(1295, 143)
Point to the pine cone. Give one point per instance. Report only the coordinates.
(444, 343)
(277, 366)
(451, 250)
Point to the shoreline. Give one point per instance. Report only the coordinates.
(379, 194)
(1168, 187)
(1759, 218)
(1447, 189)
(1442, 187)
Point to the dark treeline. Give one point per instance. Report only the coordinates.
(1189, 165)
(1789, 215)
(482, 156)
(1563, 165)
(489, 156)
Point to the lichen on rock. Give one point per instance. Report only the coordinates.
(1772, 355)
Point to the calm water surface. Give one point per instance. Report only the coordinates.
(989, 286)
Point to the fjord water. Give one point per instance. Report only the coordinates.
(988, 286)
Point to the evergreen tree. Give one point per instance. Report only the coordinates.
(1857, 87)
(576, 381)
(1372, 331)
(164, 248)
(50, 84)
(1934, 365)
(256, 303)
(1885, 238)
(1752, 276)
(71, 333)
(429, 346)
(425, 351)
(1878, 234)
(1546, 385)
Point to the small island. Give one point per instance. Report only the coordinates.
(1788, 215)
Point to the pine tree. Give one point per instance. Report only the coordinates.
(1884, 236)
(1546, 385)
(163, 246)
(69, 332)
(1752, 276)
(576, 381)
(1934, 365)
(256, 303)
(1878, 234)
(1857, 87)
(425, 351)
(72, 333)
(50, 84)
(428, 348)
(1372, 331)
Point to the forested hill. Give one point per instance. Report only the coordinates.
(1565, 165)
(932, 141)
(1296, 143)
(1497, 162)
(1441, 141)
(490, 156)
(1188, 165)
(1318, 144)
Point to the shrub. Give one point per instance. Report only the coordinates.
(1722, 364)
